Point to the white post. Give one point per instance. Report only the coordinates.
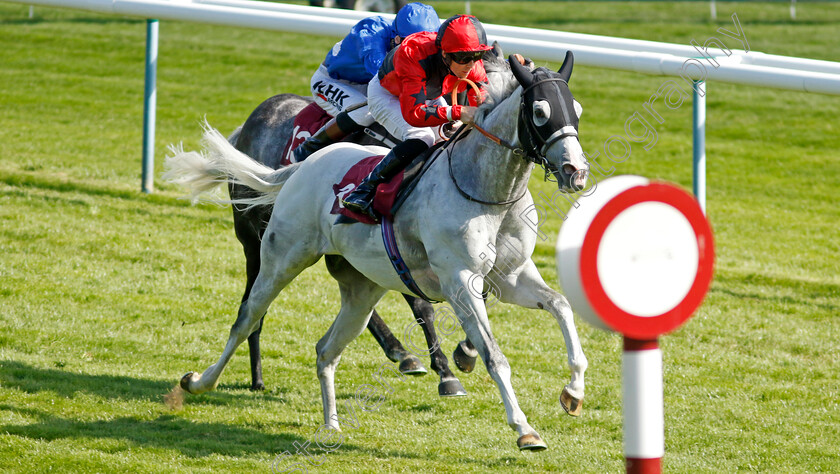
(31, 11)
(149, 104)
(644, 412)
(713, 10)
(467, 8)
(699, 161)
(792, 9)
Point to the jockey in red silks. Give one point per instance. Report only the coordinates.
(341, 80)
(406, 97)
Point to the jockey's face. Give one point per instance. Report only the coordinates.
(458, 69)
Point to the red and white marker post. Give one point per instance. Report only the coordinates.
(637, 257)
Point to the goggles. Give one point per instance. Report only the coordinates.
(465, 57)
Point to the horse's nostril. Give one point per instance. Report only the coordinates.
(569, 169)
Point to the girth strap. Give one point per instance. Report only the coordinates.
(390, 241)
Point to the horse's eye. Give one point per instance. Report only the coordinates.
(578, 108)
(542, 112)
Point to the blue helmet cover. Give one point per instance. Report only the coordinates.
(416, 17)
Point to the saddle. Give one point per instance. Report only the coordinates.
(312, 117)
(389, 195)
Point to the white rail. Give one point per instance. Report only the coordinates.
(616, 53)
(754, 57)
(649, 57)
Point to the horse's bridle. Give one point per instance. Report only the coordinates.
(535, 151)
(532, 151)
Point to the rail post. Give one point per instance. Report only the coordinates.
(149, 102)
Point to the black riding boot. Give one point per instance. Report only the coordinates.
(332, 132)
(398, 158)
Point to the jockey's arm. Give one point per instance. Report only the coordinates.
(374, 49)
(413, 99)
(417, 113)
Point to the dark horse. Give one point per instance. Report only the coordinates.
(263, 137)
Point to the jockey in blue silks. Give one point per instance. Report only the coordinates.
(341, 80)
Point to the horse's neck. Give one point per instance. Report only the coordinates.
(486, 170)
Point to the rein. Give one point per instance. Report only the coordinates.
(516, 151)
(534, 154)
(466, 194)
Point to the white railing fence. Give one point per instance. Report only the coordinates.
(697, 63)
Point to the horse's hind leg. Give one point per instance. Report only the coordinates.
(282, 260)
(449, 385)
(528, 289)
(252, 268)
(358, 296)
(394, 350)
(248, 225)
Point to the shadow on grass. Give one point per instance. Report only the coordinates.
(166, 431)
(31, 379)
(32, 180)
(174, 432)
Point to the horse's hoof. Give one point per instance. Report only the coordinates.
(411, 365)
(185, 381)
(531, 442)
(464, 362)
(451, 388)
(257, 386)
(572, 405)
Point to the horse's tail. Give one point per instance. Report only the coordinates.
(201, 172)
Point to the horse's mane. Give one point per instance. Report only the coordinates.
(500, 85)
(501, 82)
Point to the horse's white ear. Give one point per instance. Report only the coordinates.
(578, 108)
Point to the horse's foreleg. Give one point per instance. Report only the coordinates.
(449, 385)
(358, 296)
(472, 315)
(410, 364)
(464, 356)
(527, 288)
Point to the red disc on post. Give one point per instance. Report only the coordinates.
(644, 257)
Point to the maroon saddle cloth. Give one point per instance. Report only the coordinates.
(383, 201)
(308, 121)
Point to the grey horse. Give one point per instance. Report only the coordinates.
(451, 230)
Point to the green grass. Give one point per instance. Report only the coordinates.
(107, 295)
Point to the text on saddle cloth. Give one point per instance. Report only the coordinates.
(308, 121)
(386, 193)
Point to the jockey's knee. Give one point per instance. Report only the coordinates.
(362, 116)
(426, 134)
